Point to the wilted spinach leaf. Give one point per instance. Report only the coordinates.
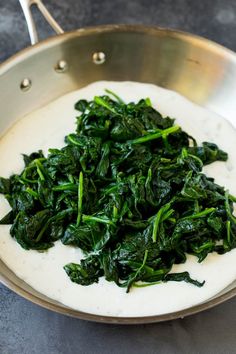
(128, 190)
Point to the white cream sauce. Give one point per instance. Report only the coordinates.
(46, 128)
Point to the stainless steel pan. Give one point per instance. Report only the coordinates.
(199, 69)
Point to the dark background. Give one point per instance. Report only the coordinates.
(28, 329)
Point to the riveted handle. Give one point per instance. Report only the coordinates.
(26, 7)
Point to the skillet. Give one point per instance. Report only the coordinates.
(197, 68)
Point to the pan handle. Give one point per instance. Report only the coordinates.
(26, 7)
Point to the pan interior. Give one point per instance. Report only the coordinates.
(198, 69)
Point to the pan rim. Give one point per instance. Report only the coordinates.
(101, 29)
(89, 31)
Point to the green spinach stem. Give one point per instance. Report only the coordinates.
(153, 136)
(80, 197)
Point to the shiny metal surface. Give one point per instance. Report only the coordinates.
(26, 7)
(197, 68)
(99, 58)
(25, 84)
(61, 66)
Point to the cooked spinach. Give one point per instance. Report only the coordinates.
(128, 190)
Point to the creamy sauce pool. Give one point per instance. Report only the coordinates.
(46, 128)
